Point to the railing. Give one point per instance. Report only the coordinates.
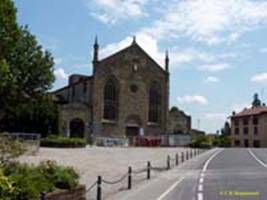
(171, 162)
(31, 140)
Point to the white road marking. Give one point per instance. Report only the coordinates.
(201, 180)
(200, 196)
(257, 159)
(170, 189)
(208, 161)
(200, 187)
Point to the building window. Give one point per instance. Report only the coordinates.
(255, 120)
(237, 131)
(84, 87)
(245, 121)
(255, 130)
(111, 100)
(245, 130)
(154, 104)
(236, 122)
(237, 143)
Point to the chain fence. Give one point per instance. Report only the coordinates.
(95, 190)
(128, 177)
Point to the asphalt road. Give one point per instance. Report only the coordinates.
(219, 174)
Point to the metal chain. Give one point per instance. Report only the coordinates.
(117, 181)
(173, 159)
(139, 171)
(158, 168)
(91, 187)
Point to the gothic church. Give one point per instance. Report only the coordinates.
(126, 95)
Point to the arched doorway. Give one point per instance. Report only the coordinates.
(132, 126)
(77, 128)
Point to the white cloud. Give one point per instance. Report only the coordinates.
(263, 50)
(58, 61)
(148, 43)
(195, 99)
(212, 79)
(111, 11)
(260, 78)
(178, 56)
(209, 21)
(215, 67)
(221, 117)
(238, 107)
(60, 74)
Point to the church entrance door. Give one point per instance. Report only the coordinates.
(77, 128)
(132, 131)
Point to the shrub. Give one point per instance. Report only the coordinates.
(201, 141)
(61, 177)
(30, 181)
(63, 142)
(6, 188)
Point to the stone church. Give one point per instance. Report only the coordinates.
(126, 95)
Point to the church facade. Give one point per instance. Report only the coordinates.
(127, 95)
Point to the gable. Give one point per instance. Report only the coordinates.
(130, 53)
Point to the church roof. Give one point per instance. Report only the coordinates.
(73, 84)
(138, 47)
(251, 111)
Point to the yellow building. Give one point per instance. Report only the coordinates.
(249, 127)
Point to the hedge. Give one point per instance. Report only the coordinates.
(62, 142)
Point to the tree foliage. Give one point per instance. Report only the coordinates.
(26, 74)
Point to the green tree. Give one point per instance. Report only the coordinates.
(26, 73)
(9, 34)
(226, 129)
(30, 70)
(9, 30)
(36, 116)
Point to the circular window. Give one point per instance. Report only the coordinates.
(133, 88)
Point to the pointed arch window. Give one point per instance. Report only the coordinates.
(154, 104)
(111, 100)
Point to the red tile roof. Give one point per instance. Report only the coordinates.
(251, 111)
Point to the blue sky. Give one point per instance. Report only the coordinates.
(218, 48)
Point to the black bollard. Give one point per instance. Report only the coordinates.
(176, 159)
(129, 178)
(168, 162)
(182, 157)
(148, 170)
(99, 189)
